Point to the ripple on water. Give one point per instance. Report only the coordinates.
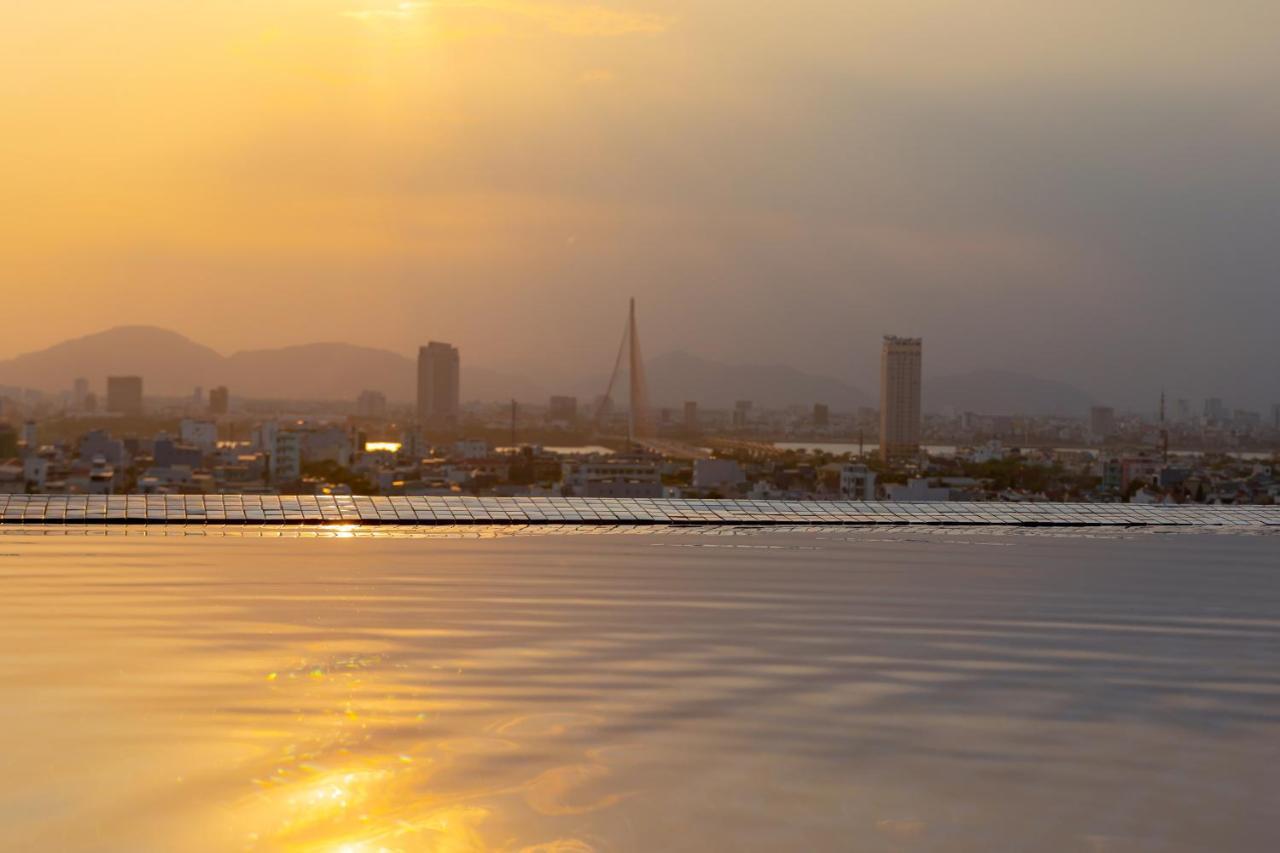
(591, 692)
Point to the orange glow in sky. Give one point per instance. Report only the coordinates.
(807, 172)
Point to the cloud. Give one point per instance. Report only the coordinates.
(597, 77)
(591, 21)
(577, 20)
(396, 12)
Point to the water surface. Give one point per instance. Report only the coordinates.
(819, 690)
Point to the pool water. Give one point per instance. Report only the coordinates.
(744, 690)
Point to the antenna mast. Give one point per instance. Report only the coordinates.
(1164, 431)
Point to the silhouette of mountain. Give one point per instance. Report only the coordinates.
(171, 364)
(1002, 392)
(678, 376)
(320, 371)
(313, 371)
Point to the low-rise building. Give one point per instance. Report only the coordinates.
(199, 433)
(613, 477)
(717, 474)
(857, 482)
(286, 459)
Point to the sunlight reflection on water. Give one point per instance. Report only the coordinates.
(782, 690)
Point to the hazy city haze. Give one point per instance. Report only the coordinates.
(1088, 194)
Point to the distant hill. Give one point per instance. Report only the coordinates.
(170, 362)
(1001, 392)
(679, 376)
(173, 365)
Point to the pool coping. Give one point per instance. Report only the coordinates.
(463, 510)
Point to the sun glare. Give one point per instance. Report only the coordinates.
(388, 12)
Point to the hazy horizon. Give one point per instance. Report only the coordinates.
(1085, 194)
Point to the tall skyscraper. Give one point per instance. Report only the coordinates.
(691, 415)
(563, 410)
(371, 404)
(900, 360)
(439, 387)
(124, 394)
(219, 400)
(79, 394)
(1102, 422)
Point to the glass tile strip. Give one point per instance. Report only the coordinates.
(436, 510)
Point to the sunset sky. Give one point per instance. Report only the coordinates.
(1087, 191)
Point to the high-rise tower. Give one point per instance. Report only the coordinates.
(638, 415)
(439, 385)
(900, 360)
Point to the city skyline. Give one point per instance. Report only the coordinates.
(284, 570)
(1064, 189)
(944, 390)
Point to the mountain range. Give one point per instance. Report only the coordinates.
(678, 376)
(1002, 392)
(172, 365)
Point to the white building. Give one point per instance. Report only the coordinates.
(35, 471)
(617, 477)
(286, 457)
(100, 479)
(857, 482)
(993, 451)
(471, 448)
(263, 437)
(917, 489)
(198, 433)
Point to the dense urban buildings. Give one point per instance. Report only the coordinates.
(439, 385)
(900, 389)
(59, 443)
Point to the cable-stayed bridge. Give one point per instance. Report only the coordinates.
(641, 433)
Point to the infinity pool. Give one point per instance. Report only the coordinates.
(735, 690)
